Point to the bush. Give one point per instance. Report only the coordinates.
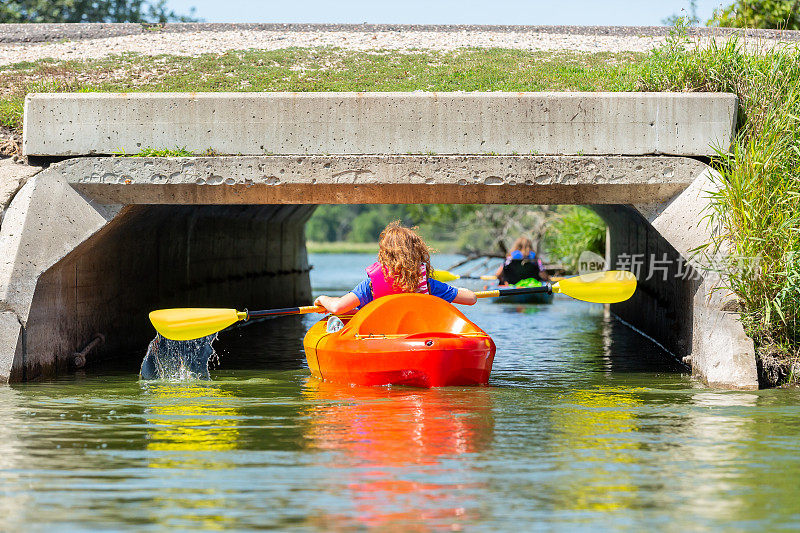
(578, 230)
(766, 14)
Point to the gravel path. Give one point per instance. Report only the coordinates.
(34, 42)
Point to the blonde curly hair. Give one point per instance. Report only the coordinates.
(402, 254)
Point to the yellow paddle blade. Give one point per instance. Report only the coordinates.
(185, 324)
(444, 275)
(599, 287)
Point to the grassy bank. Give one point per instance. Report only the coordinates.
(340, 247)
(319, 69)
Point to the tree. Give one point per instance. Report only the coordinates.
(578, 230)
(767, 14)
(89, 11)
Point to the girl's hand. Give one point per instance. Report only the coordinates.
(319, 302)
(465, 297)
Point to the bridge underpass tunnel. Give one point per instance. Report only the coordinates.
(63, 280)
(160, 256)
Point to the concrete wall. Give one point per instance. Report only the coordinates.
(689, 124)
(662, 305)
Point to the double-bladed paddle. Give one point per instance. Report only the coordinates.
(183, 324)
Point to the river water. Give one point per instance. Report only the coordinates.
(585, 425)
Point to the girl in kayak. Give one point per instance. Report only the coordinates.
(403, 265)
(521, 263)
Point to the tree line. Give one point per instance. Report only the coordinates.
(559, 233)
(90, 11)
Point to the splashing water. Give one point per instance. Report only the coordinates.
(178, 360)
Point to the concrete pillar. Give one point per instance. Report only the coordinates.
(686, 314)
(46, 220)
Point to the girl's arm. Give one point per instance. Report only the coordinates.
(465, 297)
(338, 305)
(543, 275)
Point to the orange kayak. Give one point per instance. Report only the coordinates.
(404, 339)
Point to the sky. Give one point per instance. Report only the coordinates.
(536, 12)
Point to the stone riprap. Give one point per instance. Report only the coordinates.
(380, 123)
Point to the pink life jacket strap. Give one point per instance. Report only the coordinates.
(385, 285)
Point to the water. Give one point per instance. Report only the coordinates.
(585, 426)
(170, 360)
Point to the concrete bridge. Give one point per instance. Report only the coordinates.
(93, 242)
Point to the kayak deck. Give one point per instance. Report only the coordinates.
(404, 339)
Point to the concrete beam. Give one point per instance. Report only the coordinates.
(690, 124)
(381, 179)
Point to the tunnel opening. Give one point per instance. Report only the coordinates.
(245, 256)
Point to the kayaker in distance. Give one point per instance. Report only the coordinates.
(521, 263)
(403, 265)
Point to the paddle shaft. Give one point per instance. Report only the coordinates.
(319, 309)
(546, 288)
(286, 311)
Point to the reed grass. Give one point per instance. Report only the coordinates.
(757, 203)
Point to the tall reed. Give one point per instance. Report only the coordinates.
(757, 204)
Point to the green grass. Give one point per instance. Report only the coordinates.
(319, 69)
(161, 152)
(342, 247)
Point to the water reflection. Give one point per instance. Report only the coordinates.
(399, 453)
(188, 417)
(593, 430)
(718, 433)
(189, 426)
